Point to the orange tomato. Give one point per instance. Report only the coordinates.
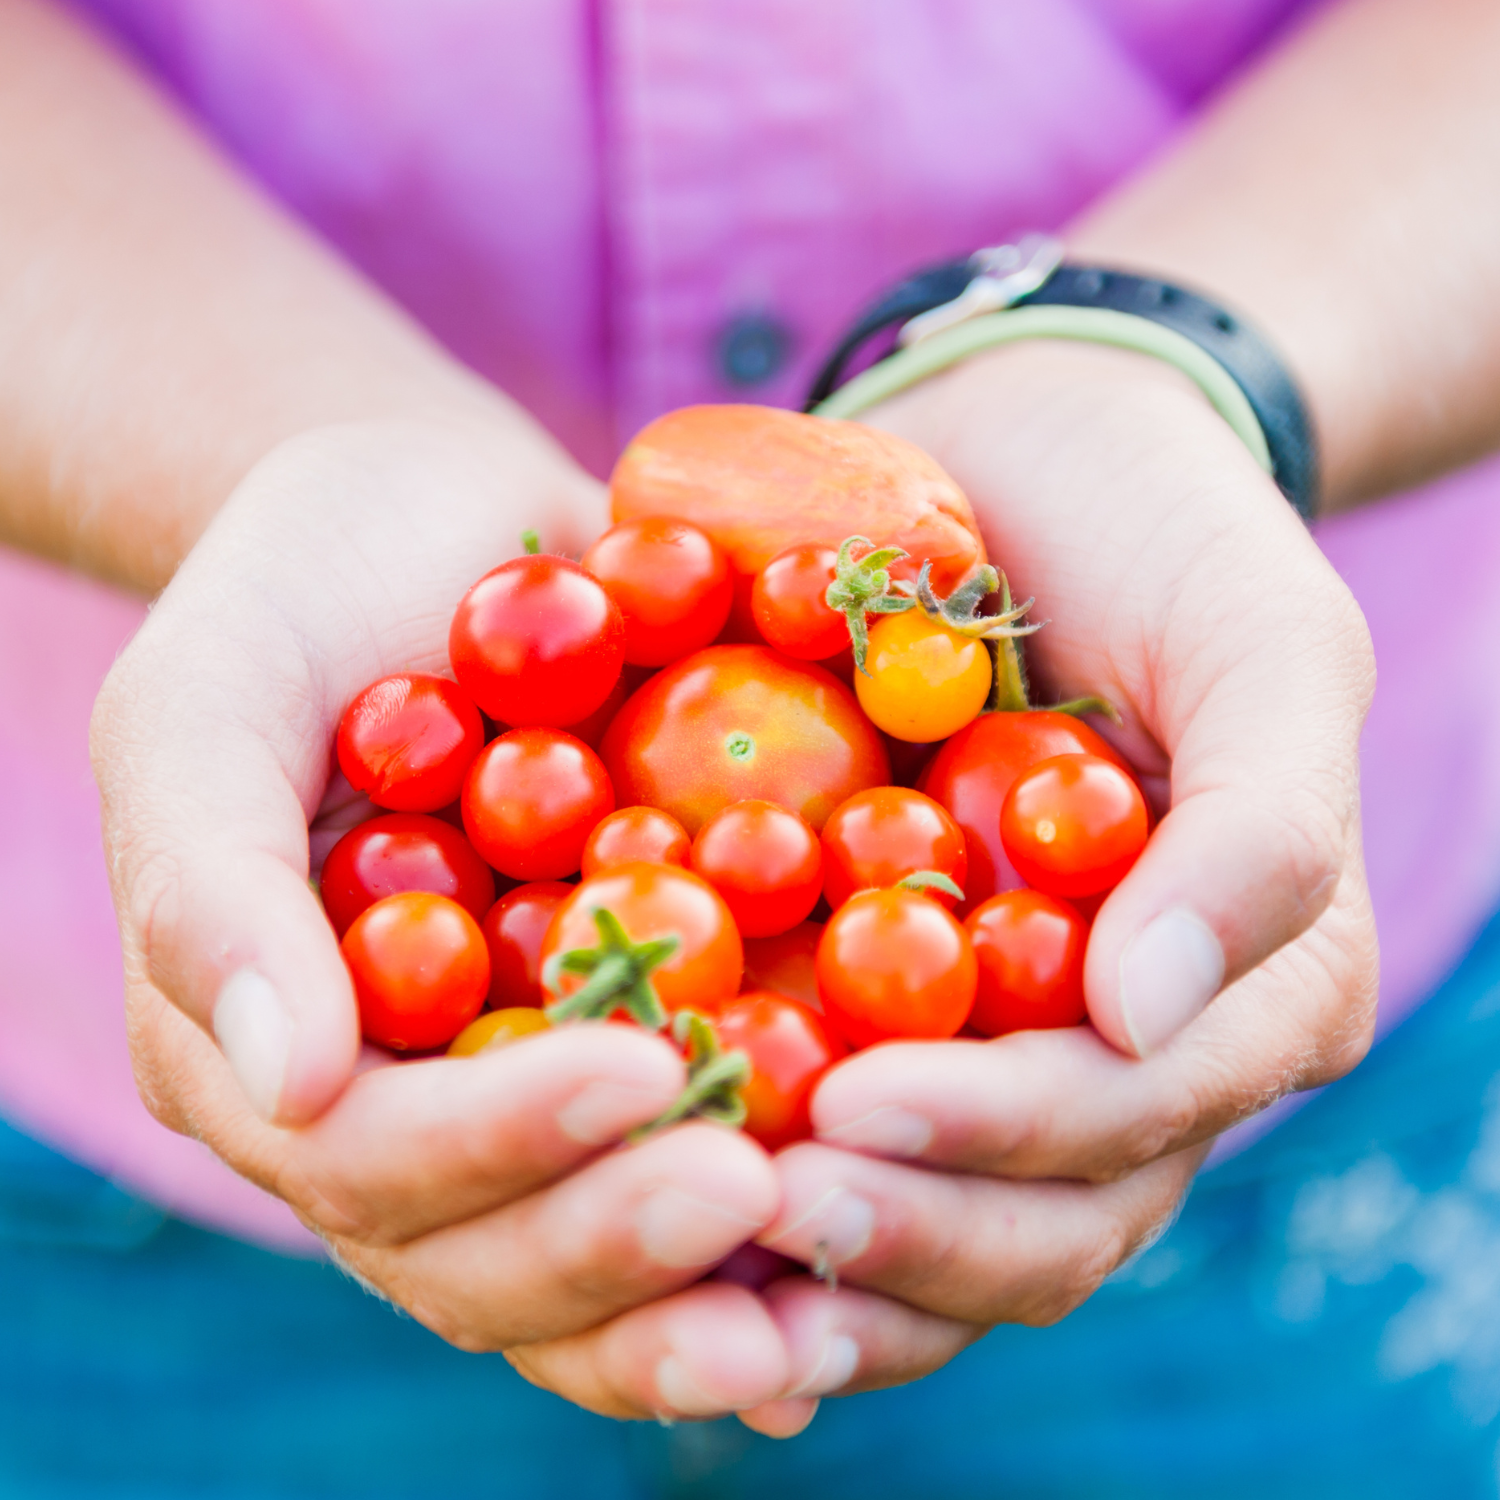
(922, 681)
(656, 901)
(758, 479)
(738, 722)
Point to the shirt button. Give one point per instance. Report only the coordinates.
(752, 348)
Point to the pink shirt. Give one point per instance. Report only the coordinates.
(586, 199)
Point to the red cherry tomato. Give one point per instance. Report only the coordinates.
(1030, 949)
(407, 741)
(654, 901)
(532, 799)
(785, 963)
(789, 1048)
(764, 861)
(734, 722)
(788, 603)
(537, 641)
(514, 928)
(671, 582)
(894, 964)
(971, 774)
(402, 852)
(420, 970)
(632, 834)
(881, 836)
(1073, 825)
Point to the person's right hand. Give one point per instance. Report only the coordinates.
(481, 1194)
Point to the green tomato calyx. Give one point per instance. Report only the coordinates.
(923, 881)
(619, 976)
(715, 1078)
(864, 587)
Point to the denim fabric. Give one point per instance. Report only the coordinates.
(1323, 1320)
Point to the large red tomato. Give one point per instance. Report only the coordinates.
(972, 773)
(738, 722)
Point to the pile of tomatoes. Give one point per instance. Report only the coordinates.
(659, 794)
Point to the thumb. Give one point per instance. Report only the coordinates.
(1264, 818)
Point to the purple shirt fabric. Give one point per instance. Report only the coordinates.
(584, 199)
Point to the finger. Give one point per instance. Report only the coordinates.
(780, 1419)
(707, 1351)
(1066, 1104)
(976, 1249)
(840, 1340)
(631, 1226)
(1261, 719)
(412, 1147)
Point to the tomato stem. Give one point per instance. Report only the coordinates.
(865, 587)
(531, 542)
(619, 976)
(715, 1078)
(925, 880)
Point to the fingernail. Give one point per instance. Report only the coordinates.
(887, 1131)
(678, 1230)
(603, 1111)
(255, 1033)
(837, 1228)
(1169, 972)
(834, 1370)
(680, 1391)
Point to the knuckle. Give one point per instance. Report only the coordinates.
(1076, 1281)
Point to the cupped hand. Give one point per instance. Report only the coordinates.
(1177, 582)
(488, 1196)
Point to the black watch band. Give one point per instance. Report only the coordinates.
(1248, 359)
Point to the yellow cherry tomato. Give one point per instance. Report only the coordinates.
(925, 681)
(498, 1028)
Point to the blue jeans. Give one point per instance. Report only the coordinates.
(1323, 1320)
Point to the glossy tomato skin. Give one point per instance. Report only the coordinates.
(498, 1028)
(630, 835)
(790, 1048)
(408, 740)
(531, 800)
(671, 582)
(786, 964)
(736, 722)
(881, 836)
(402, 852)
(1030, 949)
(764, 861)
(537, 642)
(922, 681)
(1074, 825)
(893, 964)
(420, 970)
(514, 928)
(653, 901)
(971, 774)
(788, 603)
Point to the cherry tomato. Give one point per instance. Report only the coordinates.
(893, 963)
(402, 852)
(1073, 825)
(498, 1028)
(537, 641)
(671, 582)
(407, 741)
(764, 861)
(632, 834)
(881, 836)
(789, 1048)
(532, 799)
(971, 774)
(922, 681)
(788, 603)
(513, 931)
(734, 722)
(654, 901)
(1030, 950)
(785, 963)
(420, 970)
